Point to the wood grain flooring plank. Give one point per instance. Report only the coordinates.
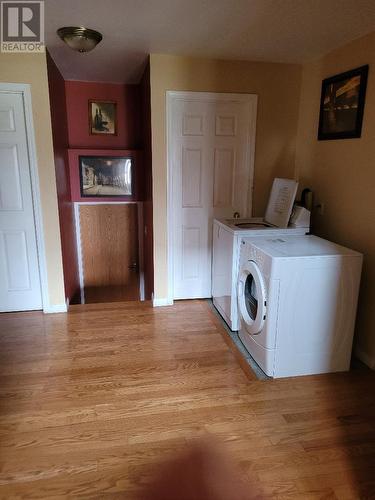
(99, 403)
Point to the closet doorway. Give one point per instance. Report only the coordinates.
(109, 246)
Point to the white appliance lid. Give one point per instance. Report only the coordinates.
(299, 246)
(280, 203)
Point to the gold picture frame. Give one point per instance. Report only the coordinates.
(102, 117)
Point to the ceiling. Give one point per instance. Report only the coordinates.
(288, 31)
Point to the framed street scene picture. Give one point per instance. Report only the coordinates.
(102, 176)
(103, 117)
(341, 105)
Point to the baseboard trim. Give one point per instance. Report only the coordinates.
(57, 308)
(162, 302)
(365, 358)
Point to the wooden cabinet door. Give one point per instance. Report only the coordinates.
(109, 241)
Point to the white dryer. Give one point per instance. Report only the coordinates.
(227, 235)
(297, 298)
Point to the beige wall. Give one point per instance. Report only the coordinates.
(278, 88)
(342, 174)
(32, 69)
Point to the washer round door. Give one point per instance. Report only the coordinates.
(252, 297)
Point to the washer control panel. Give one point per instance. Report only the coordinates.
(252, 253)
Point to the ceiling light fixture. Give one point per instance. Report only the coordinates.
(79, 38)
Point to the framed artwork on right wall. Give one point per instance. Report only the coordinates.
(342, 103)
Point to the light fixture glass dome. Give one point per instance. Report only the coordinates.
(80, 39)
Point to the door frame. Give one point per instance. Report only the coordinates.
(24, 90)
(171, 97)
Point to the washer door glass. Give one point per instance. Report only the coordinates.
(252, 298)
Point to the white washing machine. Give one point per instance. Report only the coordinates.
(227, 235)
(297, 298)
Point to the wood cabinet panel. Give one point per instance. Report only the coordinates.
(109, 240)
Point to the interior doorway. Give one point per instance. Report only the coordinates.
(110, 257)
(22, 271)
(211, 144)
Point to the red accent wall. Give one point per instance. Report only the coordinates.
(127, 97)
(70, 123)
(148, 239)
(75, 188)
(65, 205)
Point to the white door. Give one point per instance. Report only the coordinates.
(211, 151)
(20, 288)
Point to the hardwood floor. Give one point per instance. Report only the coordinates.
(125, 401)
(113, 293)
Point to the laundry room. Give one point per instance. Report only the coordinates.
(187, 254)
(188, 250)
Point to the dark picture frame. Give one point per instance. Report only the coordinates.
(102, 117)
(342, 103)
(106, 176)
